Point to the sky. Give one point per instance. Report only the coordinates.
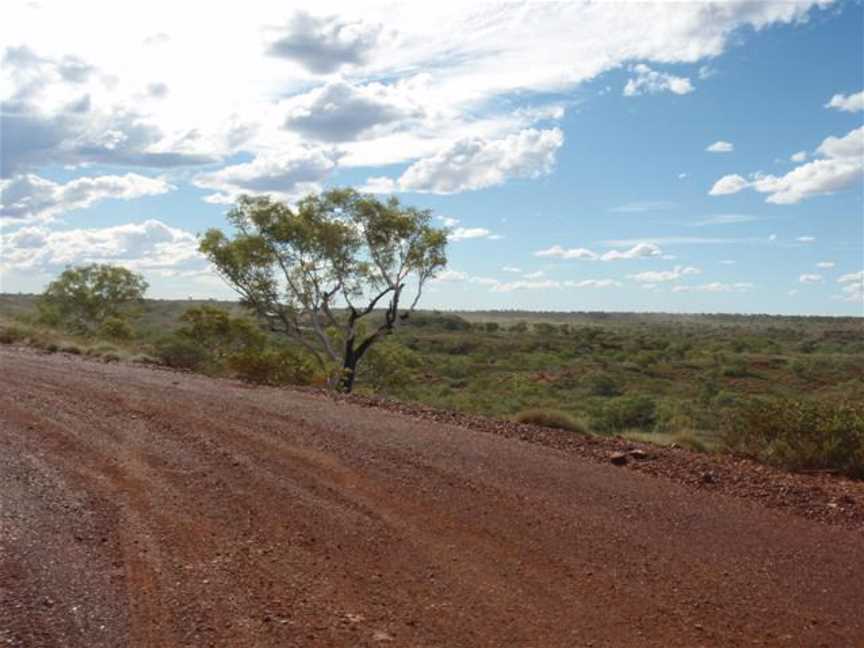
(619, 156)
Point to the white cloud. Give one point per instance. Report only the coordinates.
(840, 168)
(340, 111)
(31, 198)
(638, 251)
(806, 239)
(451, 275)
(825, 264)
(511, 269)
(659, 276)
(148, 246)
(716, 287)
(772, 237)
(505, 287)
(810, 278)
(724, 219)
(228, 94)
(682, 175)
(792, 292)
(593, 283)
(324, 44)
(852, 287)
(463, 233)
(728, 184)
(720, 147)
(648, 81)
(800, 156)
(850, 103)
(727, 262)
(285, 176)
(534, 275)
(475, 163)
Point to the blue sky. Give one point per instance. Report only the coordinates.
(683, 157)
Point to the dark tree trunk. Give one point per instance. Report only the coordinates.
(349, 370)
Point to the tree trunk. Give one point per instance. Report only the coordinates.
(349, 367)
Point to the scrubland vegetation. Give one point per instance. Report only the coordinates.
(785, 390)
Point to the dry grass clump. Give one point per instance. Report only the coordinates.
(552, 419)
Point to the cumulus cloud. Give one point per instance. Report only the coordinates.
(29, 197)
(476, 163)
(852, 287)
(48, 115)
(810, 278)
(805, 239)
(715, 287)
(728, 184)
(720, 147)
(659, 276)
(800, 156)
(648, 81)
(340, 111)
(286, 176)
(323, 44)
(151, 245)
(840, 168)
(640, 250)
(847, 103)
(825, 264)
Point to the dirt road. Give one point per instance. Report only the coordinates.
(140, 507)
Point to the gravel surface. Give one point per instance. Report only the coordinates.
(142, 507)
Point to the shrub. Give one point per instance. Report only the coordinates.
(799, 434)
(600, 384)
(116, 328)
(551, 419)
(74, 349)
(180, 352)
(388, 366)
(626, 412)
(281, 366)
(219, 332)
(12, 334)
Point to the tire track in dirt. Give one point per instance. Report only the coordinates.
(261, 517)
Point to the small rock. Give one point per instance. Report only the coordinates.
(380, 635)
(639, 454)
(708, 478)
(618, 458)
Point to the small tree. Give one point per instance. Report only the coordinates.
(84, 298)
(314, 272)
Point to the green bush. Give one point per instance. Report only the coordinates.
(280, 366)
(799, 434)
(600, 384)
(626, 412)
(180, 352)
(116, 328)
(12, 334)
(552, 419)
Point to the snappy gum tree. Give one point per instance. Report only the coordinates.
(314, 272)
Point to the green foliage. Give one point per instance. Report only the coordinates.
(552, 419)
(389, 367)
(116, 328)
(290, 265)
(219, 332)
(625, 412)
(599, 383)
(272, 366)
(799, 434)
(85, 297)
(181, 352)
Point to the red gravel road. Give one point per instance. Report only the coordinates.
(140, 507)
